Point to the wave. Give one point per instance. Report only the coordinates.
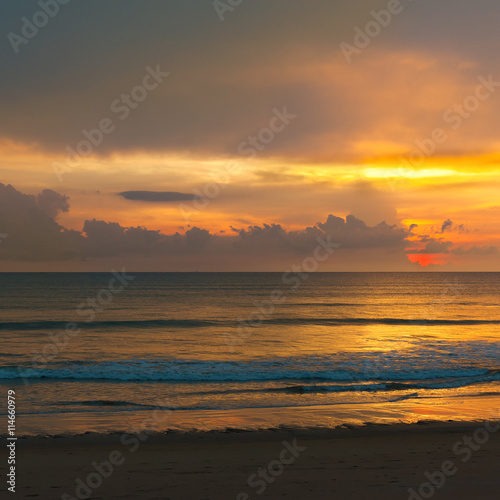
(280, 369)
(451, 383)
(152, 323)
(134, 407)
(104, 402)
(382, 321)
(198, 323)
(423, 303)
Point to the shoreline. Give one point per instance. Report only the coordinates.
(162, 419)
(242, 433)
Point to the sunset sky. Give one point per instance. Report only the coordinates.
(233, 139)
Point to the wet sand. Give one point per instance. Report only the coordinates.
(369, 462)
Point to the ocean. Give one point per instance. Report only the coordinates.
(102, 351)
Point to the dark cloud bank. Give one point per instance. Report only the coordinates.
(35, 235)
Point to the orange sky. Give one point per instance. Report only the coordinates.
(405, 133)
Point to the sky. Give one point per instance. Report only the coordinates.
(243, 135)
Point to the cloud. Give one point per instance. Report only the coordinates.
(475, 250)
(33, 233)
(449, 226)
(197, 238)
(108, 239)
(157, 196)
(434, 246)
(354, 233)
(225, 82)
(446, 225)
(349, 234)
(51, 203)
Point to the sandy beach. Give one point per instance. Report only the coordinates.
(369, 462)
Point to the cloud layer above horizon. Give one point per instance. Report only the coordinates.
(222, 142)
(33, 234)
